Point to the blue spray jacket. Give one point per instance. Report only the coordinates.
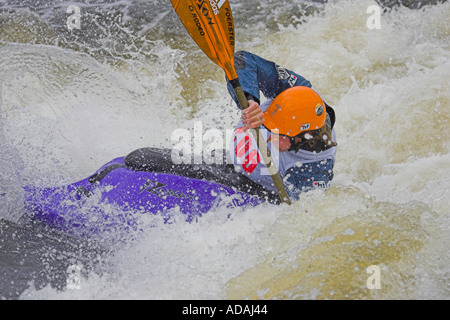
(301, 171)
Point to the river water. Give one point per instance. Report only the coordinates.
(73, 97)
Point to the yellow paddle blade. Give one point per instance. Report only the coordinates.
(210, 24)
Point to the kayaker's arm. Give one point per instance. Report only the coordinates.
(257, 74)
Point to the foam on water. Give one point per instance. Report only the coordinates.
(65, 113)
(66, 104)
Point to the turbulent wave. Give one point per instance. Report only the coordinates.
(71, 100)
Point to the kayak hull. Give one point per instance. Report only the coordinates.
(117, 196)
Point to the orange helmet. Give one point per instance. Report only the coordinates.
(295, 110)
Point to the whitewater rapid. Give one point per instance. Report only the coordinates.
(72, 101)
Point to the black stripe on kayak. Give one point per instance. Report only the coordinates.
(160, 160)
(101, 174)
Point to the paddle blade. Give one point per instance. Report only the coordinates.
(210, 24)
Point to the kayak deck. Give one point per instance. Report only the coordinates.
(145, 181)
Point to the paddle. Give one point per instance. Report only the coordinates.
(210, 24)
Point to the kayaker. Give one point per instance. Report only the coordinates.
(298, 124)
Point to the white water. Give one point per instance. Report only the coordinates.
(65, 114)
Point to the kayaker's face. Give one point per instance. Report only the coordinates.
(281, 142)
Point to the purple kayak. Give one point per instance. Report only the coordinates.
(144, 182)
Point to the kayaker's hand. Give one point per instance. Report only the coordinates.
(252, 117)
